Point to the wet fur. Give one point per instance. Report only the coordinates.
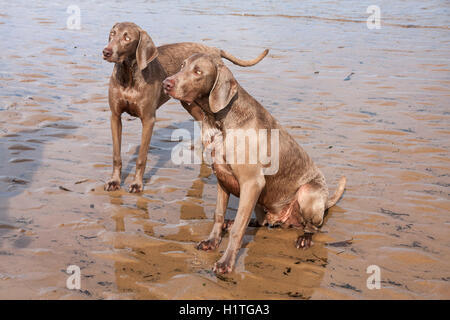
(296, 195)
(135, 87)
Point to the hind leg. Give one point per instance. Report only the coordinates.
(304, 241)
(311, 198)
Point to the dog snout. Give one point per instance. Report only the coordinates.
(107, 52)
(168, 84)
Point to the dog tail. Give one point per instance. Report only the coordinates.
(338, 194)
(243, 63)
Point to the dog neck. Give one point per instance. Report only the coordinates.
(238, 111)
(203, 102)
(220, 117)
(127, 72)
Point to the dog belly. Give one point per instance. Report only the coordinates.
(289, 216)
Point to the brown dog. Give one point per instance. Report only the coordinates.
(295, 195)
(135, 86)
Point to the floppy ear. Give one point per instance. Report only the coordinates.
(224, 89)
(146, 50)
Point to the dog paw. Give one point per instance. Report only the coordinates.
(227, 224)
(254, 223)
(112, 185)
(209, 244)
(304, 241)
(222, 267)
(135, 187)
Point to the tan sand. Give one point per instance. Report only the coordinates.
(386, 129)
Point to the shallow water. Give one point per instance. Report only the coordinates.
(369, 104)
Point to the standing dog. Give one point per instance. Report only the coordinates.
(136, 87)
(295, 195)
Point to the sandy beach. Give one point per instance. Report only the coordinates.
(370, 104)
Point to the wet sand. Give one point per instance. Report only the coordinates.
(369, 104)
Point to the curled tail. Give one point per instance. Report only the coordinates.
(243, 63)
(338, 194)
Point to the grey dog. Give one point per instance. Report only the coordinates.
(296, 195)
(136, 87)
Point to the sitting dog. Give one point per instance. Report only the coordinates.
(135, 86)
(295, 195)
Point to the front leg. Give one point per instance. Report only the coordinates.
(250, 192)
(116, 130)
(147, 131)
(215, 237)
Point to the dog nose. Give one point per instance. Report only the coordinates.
(107, 52)
(168, 84)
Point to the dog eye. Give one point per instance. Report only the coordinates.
(127, 38)
(198, 72)
(112, 33)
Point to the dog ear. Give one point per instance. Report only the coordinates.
(146, 50)
(224, 89)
